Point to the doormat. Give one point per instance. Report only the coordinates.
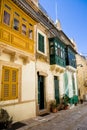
(45, 114)
(16, 126)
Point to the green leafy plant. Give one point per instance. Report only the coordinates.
(66, 101)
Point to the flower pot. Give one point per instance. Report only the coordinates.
(54, 110)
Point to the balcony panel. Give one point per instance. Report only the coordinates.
(57, 60)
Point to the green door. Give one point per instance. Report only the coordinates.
(56, 85)
(41, 92)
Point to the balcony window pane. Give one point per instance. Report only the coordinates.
(6, 18)
(51, 50)
(56, 52)
(23, 29)
(51, 43)
(16, 24)
(30, 33)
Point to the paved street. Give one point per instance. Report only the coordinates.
(73, 119)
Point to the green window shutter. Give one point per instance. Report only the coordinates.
(9, 88)
(40, 42)
(56, 83)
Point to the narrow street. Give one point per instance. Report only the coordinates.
(73, 119)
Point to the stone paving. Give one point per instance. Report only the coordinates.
(72, 119)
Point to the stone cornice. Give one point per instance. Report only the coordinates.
(16, 53)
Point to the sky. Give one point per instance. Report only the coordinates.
(73, 18)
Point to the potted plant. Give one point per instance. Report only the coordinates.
(66, 100)
(5, 119)
(53, 106)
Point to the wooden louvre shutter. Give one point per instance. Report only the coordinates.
(5, 83)
(40, 42)
(14, 83)
(9, 88)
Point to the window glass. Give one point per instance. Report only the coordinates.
(56, 51)
(6, 18)
(59, 51)
(51, 43)
(52, 50)
(30, 33)
(63, 54)
(16, 24)
(56, 43)
(24, 29)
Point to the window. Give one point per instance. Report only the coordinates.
(16, 24)
(9, 89)
(16, 21)
(41, 43)
(52, 50)
(6, 19)
(63, 53)
(51, 44)
(59, 51)
(24, 29)
(56, 51)
(30, 31)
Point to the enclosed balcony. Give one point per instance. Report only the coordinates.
(57, 52)
(70, 57)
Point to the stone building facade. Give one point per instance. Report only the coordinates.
(82, 76)
(37, 60)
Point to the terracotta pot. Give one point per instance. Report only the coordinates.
(54, 110)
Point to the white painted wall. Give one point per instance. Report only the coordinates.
(21, 111)
(23, 107)
(61, 85)
(28, 81)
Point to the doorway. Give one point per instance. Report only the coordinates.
(41, 92)
(56, 85)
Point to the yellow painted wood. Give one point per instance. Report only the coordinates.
(11, 36)
(9, 88)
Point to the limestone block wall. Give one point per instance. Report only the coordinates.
(81, 75)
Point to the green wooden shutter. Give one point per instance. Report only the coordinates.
(56, 83)
(40, 42)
